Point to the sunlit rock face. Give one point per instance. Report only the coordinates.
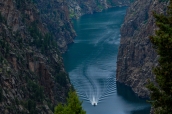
(136, 56)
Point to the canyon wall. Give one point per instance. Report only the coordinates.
(55, 16)
(33, 33)
(136, 56)
(32, 76)
(78, 8)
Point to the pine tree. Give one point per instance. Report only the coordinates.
(161, 92)
(74, 106)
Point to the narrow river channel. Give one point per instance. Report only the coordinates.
(91, 64)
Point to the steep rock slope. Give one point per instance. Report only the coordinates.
(32, 76)
(55, 16)
(136, 56)
(79, 7)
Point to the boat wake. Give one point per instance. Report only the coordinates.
(92, 85)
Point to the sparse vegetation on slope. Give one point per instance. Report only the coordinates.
(32, 76)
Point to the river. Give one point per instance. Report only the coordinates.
(91, 64)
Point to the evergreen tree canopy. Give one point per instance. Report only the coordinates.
(161, 92)
(74, 106)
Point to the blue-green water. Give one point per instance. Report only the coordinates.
(91, 63)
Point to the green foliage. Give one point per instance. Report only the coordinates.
(20, 3)
(43, 42)
(36, 34)
(100, 7)
(5, 47)
(37, 91)
(73, 105)
(31, 106)
(1, 94)
(61, 78)
(72, 14)
(2, 19)
(161, 93)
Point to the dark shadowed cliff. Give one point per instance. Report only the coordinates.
(32, 76)
(55, 16)
(136, 56)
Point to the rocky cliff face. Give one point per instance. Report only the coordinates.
(32, 76)
(55, 16)
(79, 7)
(136, 56)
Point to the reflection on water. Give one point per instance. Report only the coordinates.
(91, 63)
(128, 95)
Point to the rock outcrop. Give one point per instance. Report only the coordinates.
(136, 56)
(32, 76)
